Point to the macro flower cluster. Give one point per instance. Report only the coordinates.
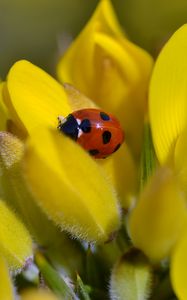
(75, 227)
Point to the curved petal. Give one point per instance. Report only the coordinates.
(120, 55)
(35, 98)
(73, 191)
(159, 217)
(168, 94)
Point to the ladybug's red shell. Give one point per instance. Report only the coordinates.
(97, 132)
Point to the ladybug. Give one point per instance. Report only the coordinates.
(97, 132)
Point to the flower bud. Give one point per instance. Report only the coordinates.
(131, 277)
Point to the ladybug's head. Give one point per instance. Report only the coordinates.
(69, 126)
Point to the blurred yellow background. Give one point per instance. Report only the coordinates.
(39, 30)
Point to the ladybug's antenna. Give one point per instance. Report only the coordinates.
(61, 120)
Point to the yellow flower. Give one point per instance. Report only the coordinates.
(111, 70)
(168, 118)
(74, 190)
(35, 99)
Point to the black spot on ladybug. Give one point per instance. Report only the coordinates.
(70, 127)
(106, 137)
(93, 151)
(85, 126)
(116, 148)
(104, 116)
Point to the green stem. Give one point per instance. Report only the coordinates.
(82, 289)
(164, 290)
(148, 158)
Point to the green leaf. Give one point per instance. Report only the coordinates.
(53, 279)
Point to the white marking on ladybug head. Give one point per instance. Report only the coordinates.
(80, 132)
(78, 121)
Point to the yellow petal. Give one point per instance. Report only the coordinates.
(15, 241)
(168, 93)
(73, 191)
(121, 56)
(34, 98)
(34, 294)
(122, 172)
(159, 217)
(111, 70)
(178, 268)
(6, 288)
